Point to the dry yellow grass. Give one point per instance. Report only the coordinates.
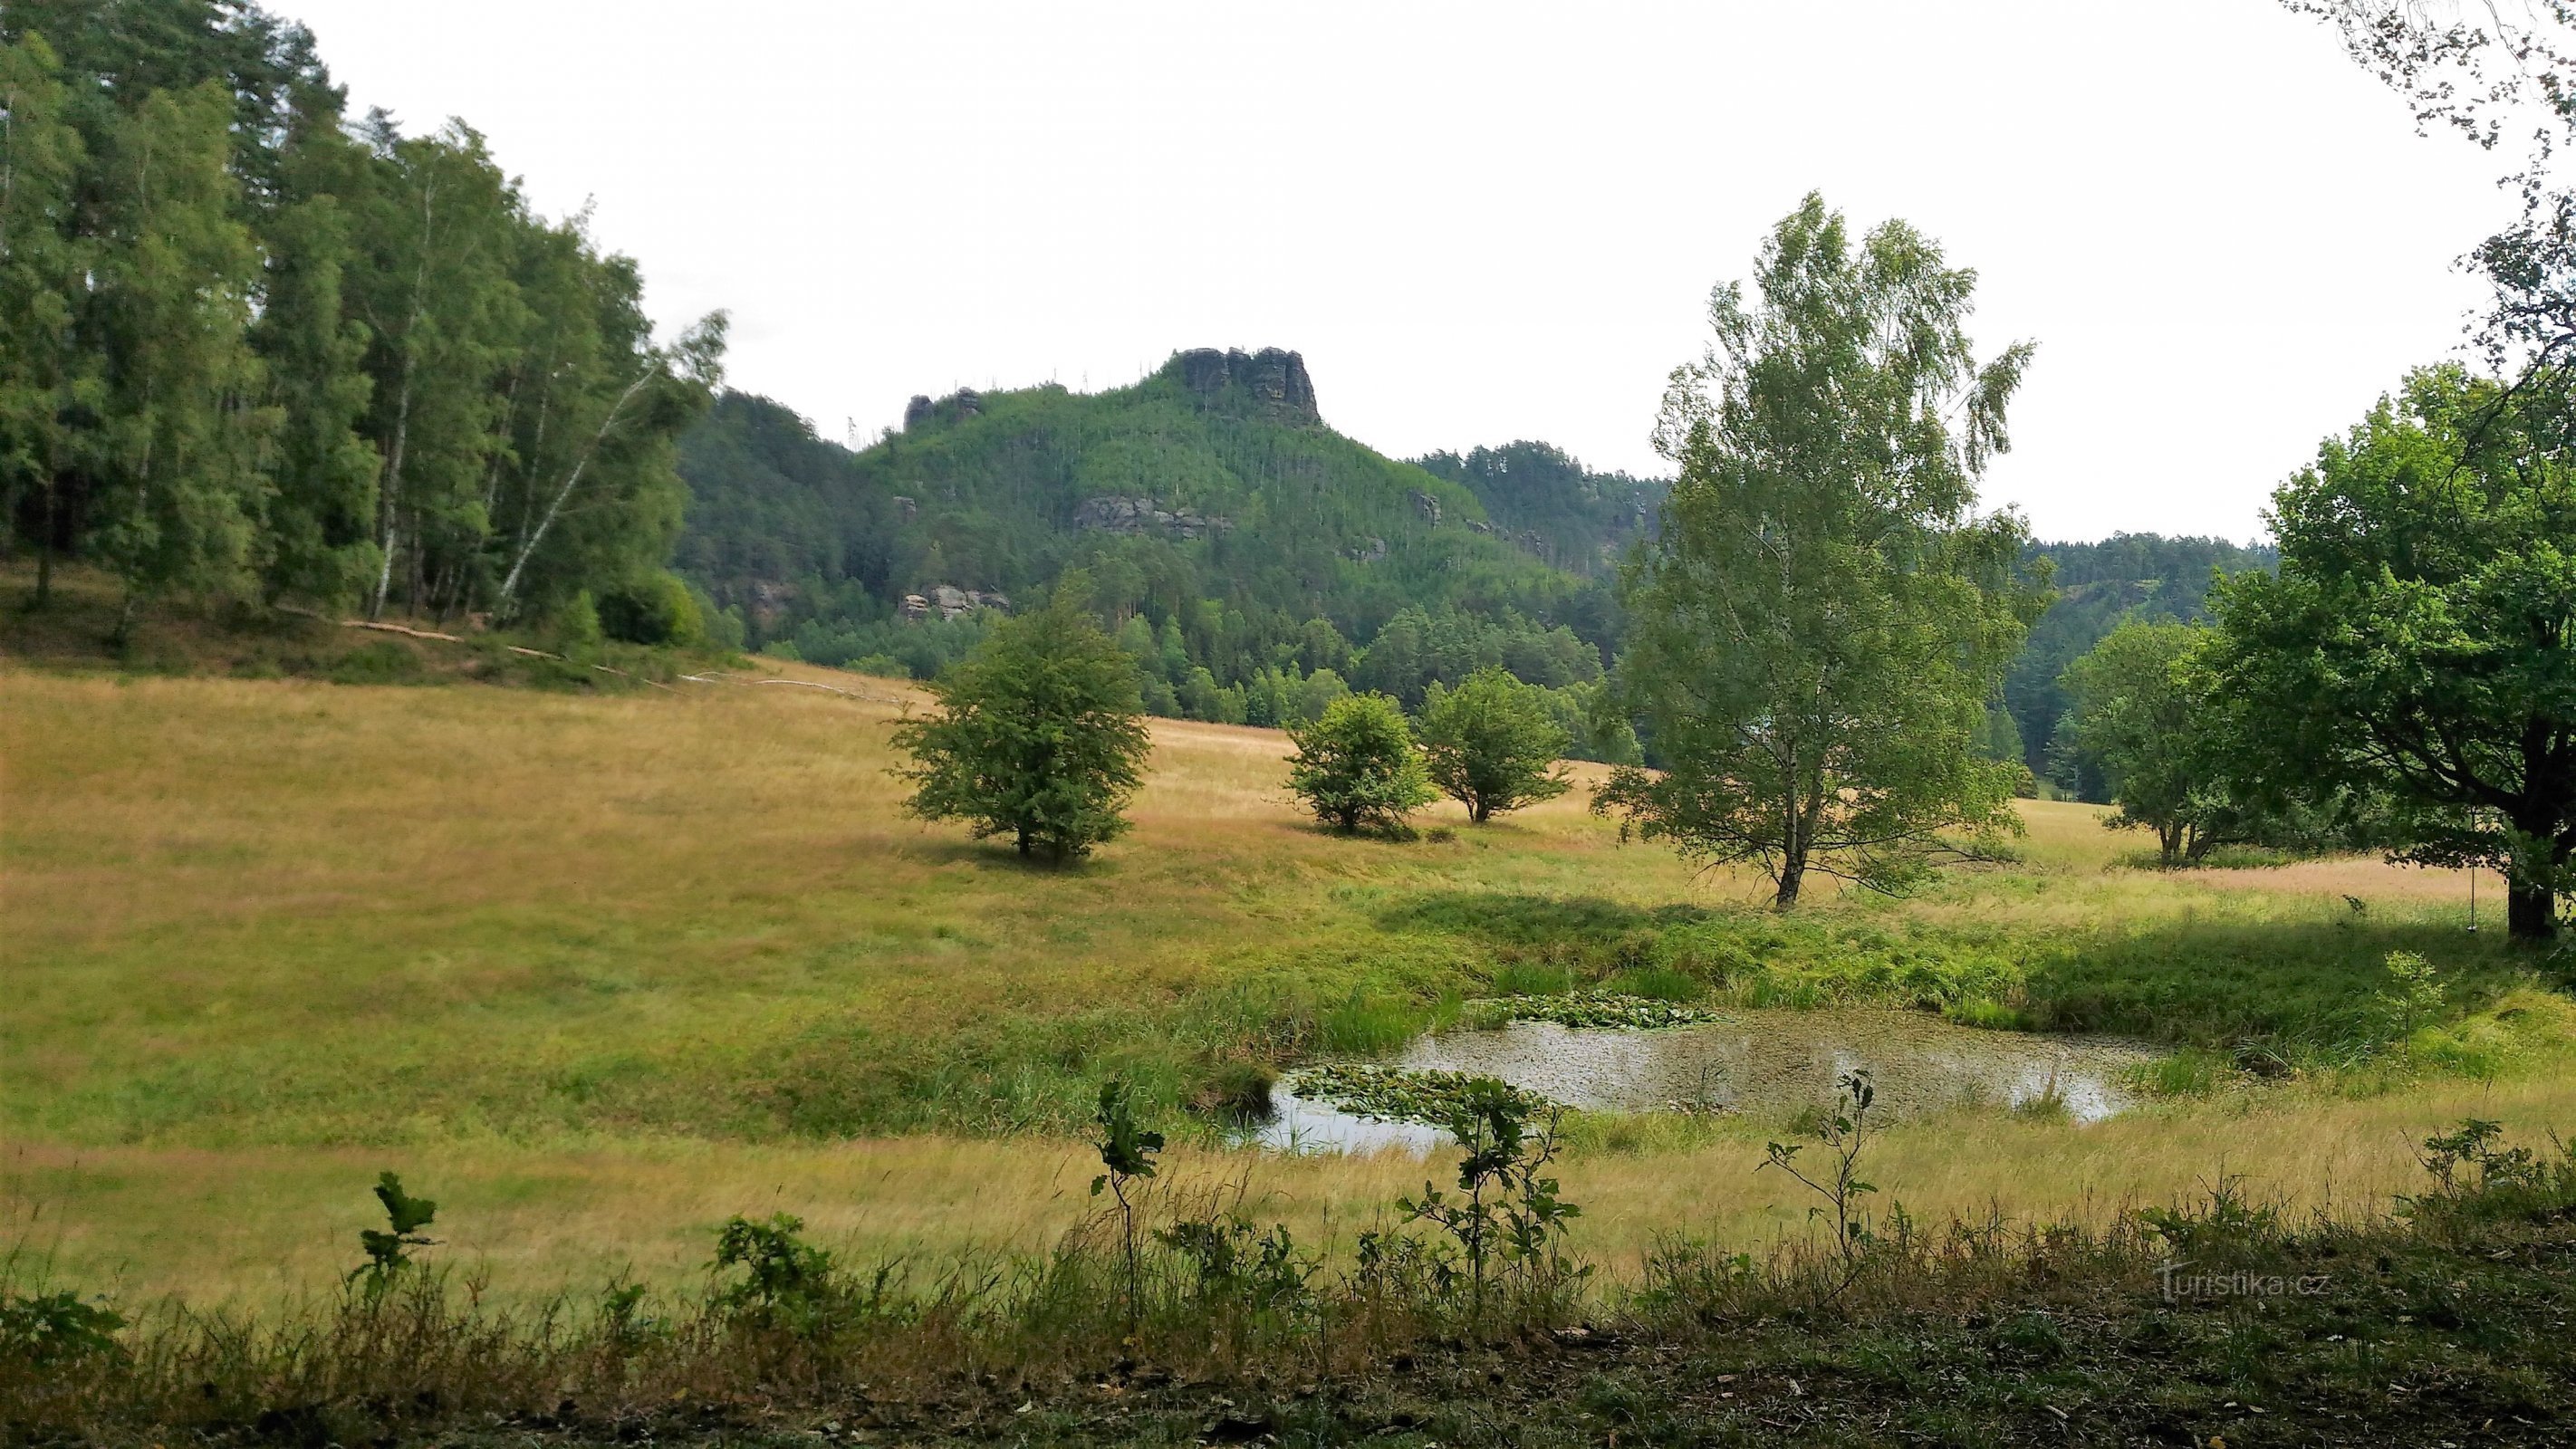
(261, 1224)
(265, 939)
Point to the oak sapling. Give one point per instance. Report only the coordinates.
(787, 1282)
(1511, 1215)
(389, 1251)
(1127, 1152)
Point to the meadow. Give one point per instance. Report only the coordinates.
(600, 969)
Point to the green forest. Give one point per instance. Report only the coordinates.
(1255, 561)
(1258, 565)
(254, 348)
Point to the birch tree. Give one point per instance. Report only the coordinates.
(179, 492)
(1816, 629)
(43, 371)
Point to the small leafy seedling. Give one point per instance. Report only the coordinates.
(389, 1252)
(1127, 1151)
(44, 1329)
(1843, 1134)
(1511, 1212)
(786, 1282)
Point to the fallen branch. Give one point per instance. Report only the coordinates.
(829, 689)
(622, 674)
(384, 628)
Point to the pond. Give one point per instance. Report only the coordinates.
(1746, 1061)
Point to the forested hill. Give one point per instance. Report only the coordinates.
(2128, 575)
(1552, 505)
(1248, 546)
(1261, 561)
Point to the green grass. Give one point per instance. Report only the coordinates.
(365, 925)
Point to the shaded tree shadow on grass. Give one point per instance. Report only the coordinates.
(997, 852)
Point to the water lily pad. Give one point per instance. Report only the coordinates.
(1395, 1094)
(1595, 1009)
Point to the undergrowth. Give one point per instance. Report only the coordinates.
(1182, 1310)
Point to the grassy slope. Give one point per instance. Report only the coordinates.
(598, 970)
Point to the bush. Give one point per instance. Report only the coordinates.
(1356, 766)
(576, 624)
(654, 610)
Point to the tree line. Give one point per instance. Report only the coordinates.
(254, 349)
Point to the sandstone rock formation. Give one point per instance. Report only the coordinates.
(952, 602)
(964, 403)
(1272, 381)
(1142, 516)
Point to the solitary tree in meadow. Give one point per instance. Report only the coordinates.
(1817, 627)
(1357, 766)
(1492, 743)
(2144, 713)
(1038, 735)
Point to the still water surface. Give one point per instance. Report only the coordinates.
(1757, 1061)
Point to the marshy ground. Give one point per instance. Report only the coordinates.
(599, 970)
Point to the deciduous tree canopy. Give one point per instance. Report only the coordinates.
(1815, 635)
(1038, 735)
(2417, 638)
(249, 350)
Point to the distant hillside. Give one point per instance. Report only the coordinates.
(2128, 575)
(1247, 546)
(1543, 500)
(1260, 561)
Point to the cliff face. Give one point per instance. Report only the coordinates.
(1270, 384)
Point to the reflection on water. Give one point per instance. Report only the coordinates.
(1749, 1061)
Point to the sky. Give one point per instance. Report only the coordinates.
(1490, 221)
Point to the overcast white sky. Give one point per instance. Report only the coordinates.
(1489, 221)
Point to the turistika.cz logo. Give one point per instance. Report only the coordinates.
(2176, 1284)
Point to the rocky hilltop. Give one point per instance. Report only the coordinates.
(1272, 382)
(1208, 496)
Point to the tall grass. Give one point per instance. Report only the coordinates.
(610, 958)
(896, 1346)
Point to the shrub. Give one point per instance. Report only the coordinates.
(1356, 766)
(576, 624)
(389, 1251)
(658, 609)
(786, 1282)
(1509, 1215)
(46, 1329)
